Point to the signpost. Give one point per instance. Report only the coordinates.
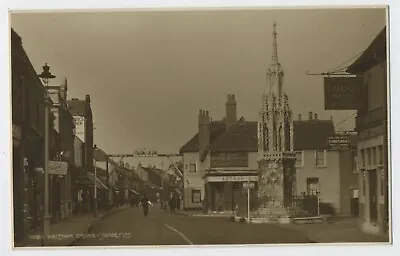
(343, 93)
(248, 185)
(339, 143)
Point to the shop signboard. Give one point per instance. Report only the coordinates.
(248, 185)
(339, 143)
(343, 93)
(229, 159)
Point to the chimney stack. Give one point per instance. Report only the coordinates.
(316, 116)
(64, 89)
(299, 117)
(230, 107)
(204, 130)
(310, 115)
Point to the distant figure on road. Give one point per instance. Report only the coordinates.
(205, 206)
(145, 205)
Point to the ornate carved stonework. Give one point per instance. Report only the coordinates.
(276, 156)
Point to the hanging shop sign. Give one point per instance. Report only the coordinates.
(343, 93)
(339, 143)
(58, 168)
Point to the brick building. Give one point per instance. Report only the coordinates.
(223, 155)
(28, 114)
(372, 128)
(81, 110)
(62, 150)
(330, 174)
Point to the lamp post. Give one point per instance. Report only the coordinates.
(95, 184)
(318, 209)
(46, 76)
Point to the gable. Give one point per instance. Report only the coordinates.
(312, 134)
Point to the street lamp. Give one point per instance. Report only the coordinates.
(95, 183)
(46, 76)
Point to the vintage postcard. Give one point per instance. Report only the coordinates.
(200, 126)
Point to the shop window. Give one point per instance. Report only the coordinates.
(380, 154)
(382, 185)
(355, 164)
(369, 156)
(320, 158)
(299, 159)
(196, 196)
(313, 186)
(364, 184)
(373, 153)
(362, 155)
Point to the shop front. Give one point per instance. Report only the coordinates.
(224, 189)
(85, 185)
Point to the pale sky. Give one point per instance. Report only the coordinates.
(148, 73)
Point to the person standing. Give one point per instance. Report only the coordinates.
(145, 205)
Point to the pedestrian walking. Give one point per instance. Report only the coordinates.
(205, 206)
(145, 204)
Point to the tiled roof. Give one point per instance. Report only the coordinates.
(216, 129)
(376, 51)
(77, 107)
(242, 136)
(312, 134)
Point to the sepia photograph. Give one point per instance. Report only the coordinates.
(188, 127)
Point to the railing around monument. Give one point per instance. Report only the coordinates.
(300, 206)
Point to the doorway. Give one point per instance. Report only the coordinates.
(373, 193)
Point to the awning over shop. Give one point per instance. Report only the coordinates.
(178, 191)
(133, 191)
(89, 179)
(153, 186)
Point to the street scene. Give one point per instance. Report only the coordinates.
(200, 127)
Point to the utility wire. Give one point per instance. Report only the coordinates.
(341, 65)
(344, 120)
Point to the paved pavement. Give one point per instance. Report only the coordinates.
(130, 227)
(66, 231)
(340, 230)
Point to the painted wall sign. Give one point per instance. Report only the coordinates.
(231, 178)
(339, 143)
(343, 93)
(229, 159)
(249, 185)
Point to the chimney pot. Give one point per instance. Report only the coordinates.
(316, 116)
(309, 115)
(299, 117)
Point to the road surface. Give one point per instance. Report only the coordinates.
(130, 227)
